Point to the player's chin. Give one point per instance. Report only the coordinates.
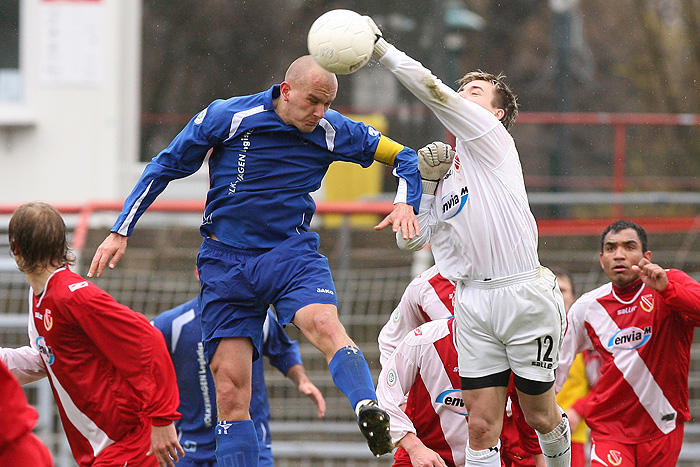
(308, 127)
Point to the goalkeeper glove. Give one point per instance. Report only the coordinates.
(434, 160)
(380, 45)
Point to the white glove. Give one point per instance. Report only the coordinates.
(380, 45)
(434, 160)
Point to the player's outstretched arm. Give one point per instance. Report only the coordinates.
(420, 454)
(165, 446)
(297, 374)
(110, 251)
(402, 216)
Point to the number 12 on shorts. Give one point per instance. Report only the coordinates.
(544, 352)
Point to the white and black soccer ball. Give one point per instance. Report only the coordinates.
(341, 41)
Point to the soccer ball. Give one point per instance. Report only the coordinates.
(341, 41)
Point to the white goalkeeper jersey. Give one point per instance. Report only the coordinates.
(424, 367)
(479, 222)
(428, 297)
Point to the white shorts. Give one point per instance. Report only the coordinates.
(514, 322)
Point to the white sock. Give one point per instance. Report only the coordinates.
(361, 404)
(490, 457)
(556, 445)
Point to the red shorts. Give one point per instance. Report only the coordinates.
(129, 451)
(518, 441)
(659, 452)
(27, 451)
(578, 455)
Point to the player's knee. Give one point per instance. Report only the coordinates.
(233, 398)
(483, 432)
(543, 421)
(325, 324)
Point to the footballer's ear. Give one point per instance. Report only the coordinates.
(285, 87)
(500, 113)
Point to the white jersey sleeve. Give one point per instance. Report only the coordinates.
(575, 340)
(395, 381)
(465, 119)
(25, 363)
(423, 373)
(428, 297)
(426, 223)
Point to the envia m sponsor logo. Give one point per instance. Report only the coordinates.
(452, 398)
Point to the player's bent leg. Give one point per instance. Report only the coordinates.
(321, 326)
(349, 370)
(231, 366)
(236, 439)
(485, 406)
(539, 405)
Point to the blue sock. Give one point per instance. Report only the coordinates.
(236, 444)
(351, 375)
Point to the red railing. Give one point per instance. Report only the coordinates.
(547, 227)
(620, 123)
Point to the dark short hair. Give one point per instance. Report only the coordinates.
(504, 98)
(37, 236)
(617, 226)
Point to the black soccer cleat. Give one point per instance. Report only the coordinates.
(374, 425)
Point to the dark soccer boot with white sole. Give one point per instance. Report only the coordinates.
(374, 425)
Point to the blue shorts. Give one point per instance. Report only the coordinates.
(237, 287)
(185, 462)
(265, 457)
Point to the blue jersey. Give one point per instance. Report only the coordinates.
(262, 170)
(183, 334)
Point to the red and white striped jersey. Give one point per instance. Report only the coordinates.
(429, 296)
(424, 366)
(109, 369)
(643, 337)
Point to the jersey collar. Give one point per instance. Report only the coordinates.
(623, 294)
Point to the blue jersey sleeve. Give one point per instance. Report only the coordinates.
(282, 352)
(183, 157)
(363, 144)
(406, 169)
(162, 323)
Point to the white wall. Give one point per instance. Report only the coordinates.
(73, 137)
